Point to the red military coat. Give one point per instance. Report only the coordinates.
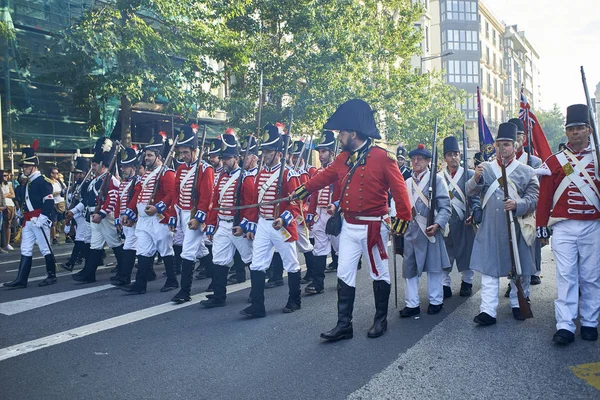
(164, 194)
(204, 187)
(325, 196)
(225, 197)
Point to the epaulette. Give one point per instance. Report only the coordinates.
(50, 181)
(291, 173)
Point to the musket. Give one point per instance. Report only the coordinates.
(284, 142)
(335, 153)
(465, 173)
(527, 133)
(432, 179)
(77, 191)
(592, 122)
(516, 271)
(300, 156)
(258, 126)
(264, 203)
(162, 169)
(195, 183)
(238, 188)
(103, 192)
(393, 243)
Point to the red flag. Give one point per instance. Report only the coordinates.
(541, 147)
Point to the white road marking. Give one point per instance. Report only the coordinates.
(19, 306)
(34, 258)
(41, 278)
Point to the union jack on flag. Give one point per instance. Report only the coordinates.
(533, 130)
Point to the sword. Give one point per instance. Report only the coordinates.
(49, 248)
(264, 203)
(393, 241)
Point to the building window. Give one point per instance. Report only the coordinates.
(427, 39)
(454, 39)
(487, 55)
(494, 37)
(487, 30)
(469, 108)
(456, 71)
(459, 10)
(489, 83)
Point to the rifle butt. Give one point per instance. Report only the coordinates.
(524, 306)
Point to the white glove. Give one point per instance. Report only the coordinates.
(42, 221)
(67, 229)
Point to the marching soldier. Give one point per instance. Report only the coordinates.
(366, 173)
(318, 216)
(570, 204)
(36, 208)
(187, 201)
(273, 226)
(150, 220)
(83, 233)
(459, 242)
(424, 247)
(128, 165)
(101, 216)
(491, 247)
(225, 228)
(401, 157)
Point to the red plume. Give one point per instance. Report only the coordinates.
(421, 146)
(35, 145)
(230, 131)
(194, 126)
(134, 146)
(163, 134)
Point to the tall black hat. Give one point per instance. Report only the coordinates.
(401, 152)
(271, 138)
(157, 142)
(249, 140)
(478, 158)
(214, 147)
(451, 144)
(128, 158)
(519, 123)
(420, 151)
(29, 157)
(507, 131)
(578, 114)
(188, 137)
(327, 141)
(354, 115)
(298, 147)
(103, 151)
(229, 146)
(82, 165)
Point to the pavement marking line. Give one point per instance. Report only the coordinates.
(41, 278)
(19, 306)
(589, 373)
(34, 258)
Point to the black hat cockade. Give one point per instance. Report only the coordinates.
(420, 151)
(451, 144)
(577, 114)
(29, 158)
(354, 115)
(326, 141)
(251, 141)
(518, 123)
(129, 157)
(229, 144)
(103, 151)
(507, 131)
(401, 152)
(82, 165)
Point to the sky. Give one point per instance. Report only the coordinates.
(566, 35)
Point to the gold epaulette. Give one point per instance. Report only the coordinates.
(50, 181)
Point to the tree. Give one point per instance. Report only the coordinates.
(553, 124)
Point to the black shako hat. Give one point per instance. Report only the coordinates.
(518, 123)
(214, 146)
(128, 158)
(157, 143)
(577, 114)
(478, 158)
(229, 146)
(188, 137)
(251, 141)
(451, 144)
(82, 165)
(401, 152)
(271, 138)
(29, 157)
(102, 151)
(298, 147)
(420, 151)
(354, 115)
(326, 141)
(507, 131)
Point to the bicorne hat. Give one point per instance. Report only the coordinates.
(354, 115)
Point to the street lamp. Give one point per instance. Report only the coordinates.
(429, 58)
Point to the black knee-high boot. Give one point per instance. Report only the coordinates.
(123, 277)
(88, 273)
(50, 270)
(219, 284)
(381, 291)
(177, 248)
(171, 282)
(141, 276)
(294, 301)
(332, 267)
(343, 329)
(317, 285)
(257, 294)
(70, 264)
(276, 270)
(309, 259)
(187, 273)
(22, 275)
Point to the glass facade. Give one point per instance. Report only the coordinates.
(456, 71)
(454, 39)
(458, 10)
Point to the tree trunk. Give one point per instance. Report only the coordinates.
(125, 121)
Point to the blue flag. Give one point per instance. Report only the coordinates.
(486, 141)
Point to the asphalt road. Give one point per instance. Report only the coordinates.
(67, 342)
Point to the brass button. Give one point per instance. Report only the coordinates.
(360, 190)
(347, 187)
(362, 175)
(360, 205)
(360, 197)
(362, 183)
(347, 202)
(347, 194)
(348, 182)
(363, 168)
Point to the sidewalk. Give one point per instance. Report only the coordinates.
(509, 360)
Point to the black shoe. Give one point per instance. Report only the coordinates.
(50, 280)
(589, 333)
(447, 292)
(311, 289)
(516, 312)
(507, 294)
(181, 298)
(211, 303)
(433, 309)
(331, 268)
(466, 289)
(55, 241)
(484, 319)
(381, 292)
(201, 275)
(535, 280)
(290, 307)
(275, 283)
(82, 278)
(68, 240)
(253, 312)
(563, 337)
(133, 289)
(305, 280)
(343, 328)
(118, 282)
(408, 312)
(233, 280)
(66, 266)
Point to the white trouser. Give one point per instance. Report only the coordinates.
(353, 244)
(32, 234)
(489, 293)
(225, 245)
(323, 241)
(193, 240)
(178, 236)
(467, 277)
(152, 236)
(434, 290)
(303, 242)
(104, 232)
(266, 241)
(130, 238)
(576, 247)
(83, 233)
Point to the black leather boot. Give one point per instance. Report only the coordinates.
(219, 284)
(309, 259)
(343, 329)
(141, 276)
(275, 271)
(85, 250)
(22, 275)
(187, 273)
(317, 286)
(381, 291)
(177, 249)
(257, 293)
(171, 282)
(88, 273)
(118, 252)
(70, 264)
(206, 266)
(50, 271)
(294, 302)
(332, 267)
(239, 269)
(123, 277)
